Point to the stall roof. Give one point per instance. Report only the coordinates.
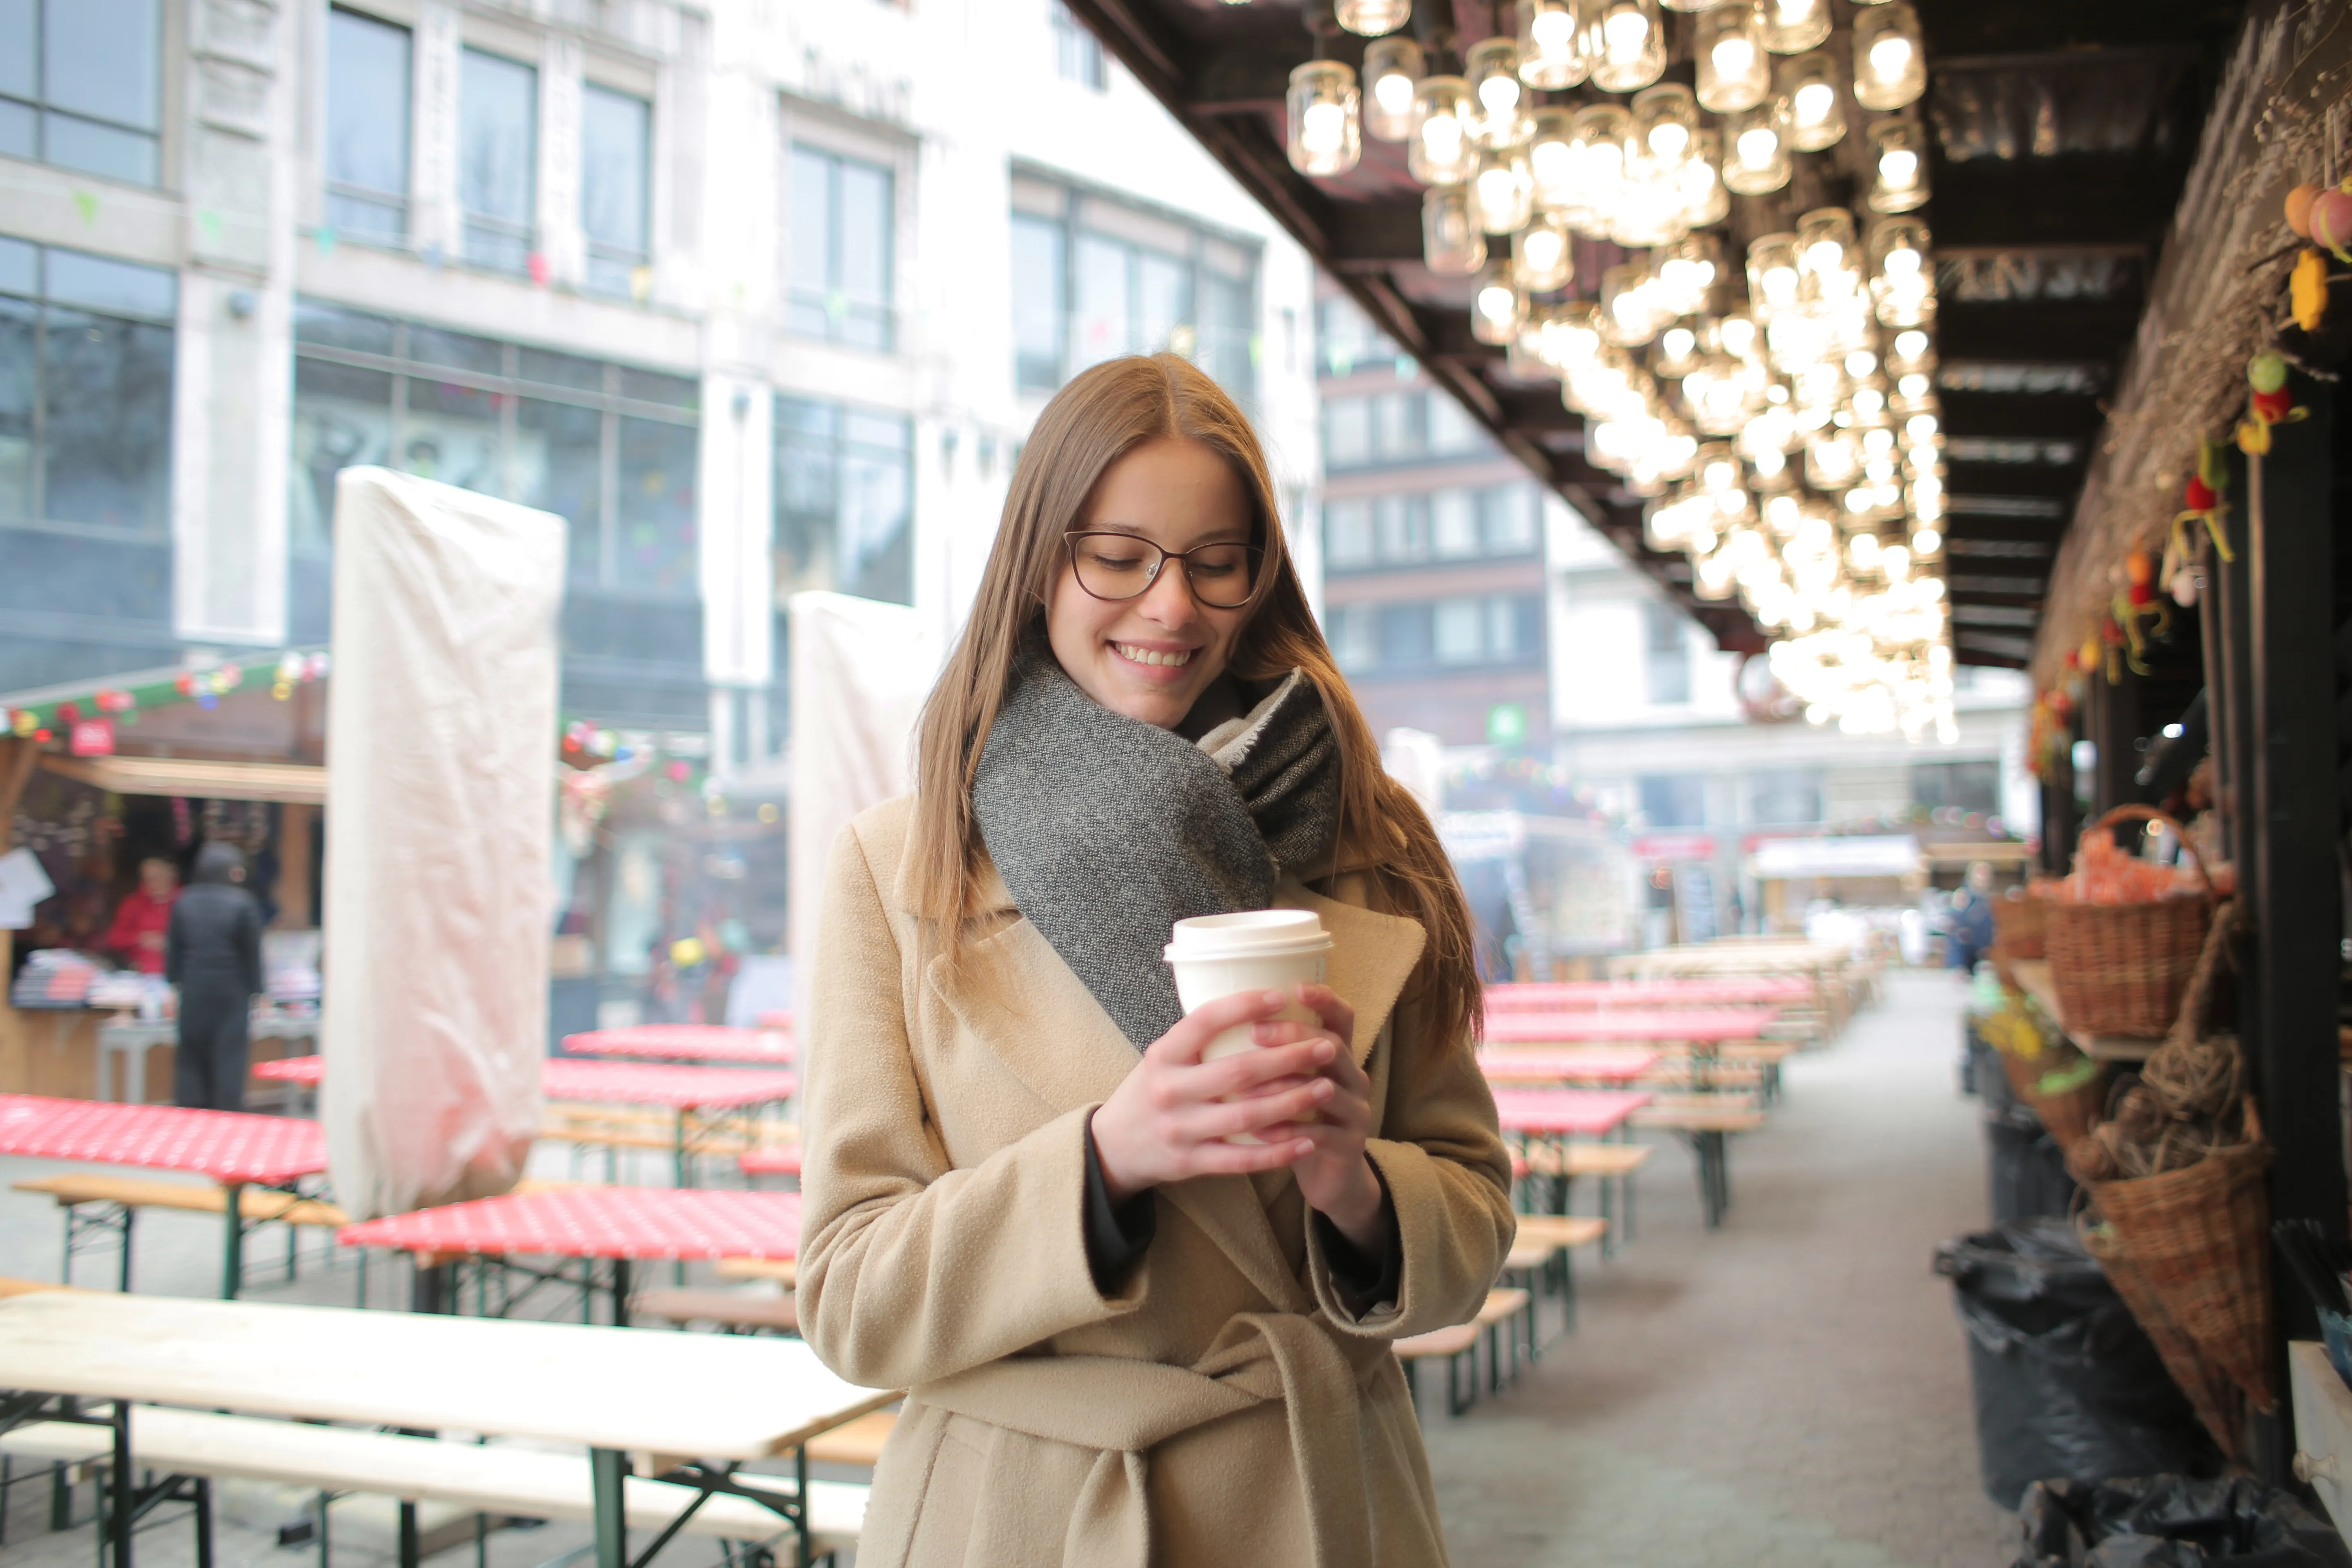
(289, 784)
(2063, 130)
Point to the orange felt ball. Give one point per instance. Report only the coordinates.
(2139, 570)
(2299, 208)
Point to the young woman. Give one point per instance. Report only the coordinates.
(1126, 1338)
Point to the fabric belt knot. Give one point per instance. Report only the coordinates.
(1123, 1408)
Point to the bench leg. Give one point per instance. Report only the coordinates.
(204, 1504)
(115, 1496)
(608, 1469)
(232, 1238)
(324, 1499)
(410, 1554)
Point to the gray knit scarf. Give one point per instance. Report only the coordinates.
(1107, 830)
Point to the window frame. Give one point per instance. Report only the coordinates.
(167, 39)
(594, 250)
(823, 299)
(1077, 54)
(524, 233)
(840, 446)
(331, 188)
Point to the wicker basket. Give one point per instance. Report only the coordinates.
(2020, 926)
(2121, 969)
(2217, 1400)
(2068, 1116)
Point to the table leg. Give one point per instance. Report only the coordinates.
(806, 1552)
(232, 1238)
(129, 1213)
(620, 1292)
(119, 1518)
(428, 1290)
(608, 1470)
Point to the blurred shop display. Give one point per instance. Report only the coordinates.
(1546, 891)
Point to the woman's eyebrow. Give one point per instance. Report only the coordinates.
(1237, 533)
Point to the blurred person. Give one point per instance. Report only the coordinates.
(144, 918)
(214, 955)
(1968, 927)
(1124, 1337)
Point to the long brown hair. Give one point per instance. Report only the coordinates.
(1101, 416)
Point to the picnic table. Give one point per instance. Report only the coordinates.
(1595, 1064)
(718, 1397)
(617, 1226)
(235, 1149)
(1556, 1113)
(687, 1042)
(1730, 991)
(1711, 1025)
(685, 1091)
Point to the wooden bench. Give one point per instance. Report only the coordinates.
(1544, 1252)
(614, 1128)
(733, 1312)
(1611, 1167)
(488, 1479)
(1451, 1344)
(782, 1270)
(857, 1443)
(1705, 1122)
(121, 1198)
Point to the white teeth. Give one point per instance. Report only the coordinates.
(1150, 656)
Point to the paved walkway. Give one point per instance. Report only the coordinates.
(1789, 1390)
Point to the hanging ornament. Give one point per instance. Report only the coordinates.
(2140, 601)
(2307, 288)
(2331, 221)
(2299, 208)
(2204, 499)
(2111, 633)
(2271, 404)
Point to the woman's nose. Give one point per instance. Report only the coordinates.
(1169, 601)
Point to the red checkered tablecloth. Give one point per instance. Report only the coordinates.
(227, 1145)
(1592, 1112)
(613, 1083)
(686, 1042)
(1602, 1064)
(1552, 995)
(1712, 1026)
(646, 1222)
(780, 1162)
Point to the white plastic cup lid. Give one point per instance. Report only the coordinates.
(1250, 933)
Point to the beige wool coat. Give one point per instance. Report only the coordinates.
(1224, 1408)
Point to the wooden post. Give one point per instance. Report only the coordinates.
(295, 826)
(18, 757)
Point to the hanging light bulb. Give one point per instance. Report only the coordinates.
(1542, 257)
(1392, 68)
(1571, 336)
(1902, 286)
(1899, 157)
(1370, 18)
(1551, 46)
(1630, 304)
(1734, 72)
(1325, 134)
(1705, 201)
(1772, 276)
(1495, 305)
(1826, 255)
(1816, 101)
(1440, 153)
(1626, 42)
(1756, 152)
(1451, 244)
(1890, 68)
(1685, 271)
(1498, 100)
(1553, 158)
(1502, 192)
(1601, 139)
(1793, 26)
(1678, 351)
(1665, 128)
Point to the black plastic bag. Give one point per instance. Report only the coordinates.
(2067, 1385)
(2025, 1173)
(2170, 1521)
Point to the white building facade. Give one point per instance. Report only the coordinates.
(759, 296)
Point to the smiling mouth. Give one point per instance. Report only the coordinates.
(1135, 655)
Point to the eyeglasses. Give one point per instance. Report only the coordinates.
(1117, 566)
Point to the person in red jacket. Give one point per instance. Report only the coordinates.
(144, 917)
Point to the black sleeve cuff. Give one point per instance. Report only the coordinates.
(1363, 1281)
(1118, 1236)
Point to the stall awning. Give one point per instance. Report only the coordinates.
(289, 784)
(1876, 855)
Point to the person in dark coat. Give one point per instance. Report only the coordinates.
(213, 954)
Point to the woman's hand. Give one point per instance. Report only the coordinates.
(1168, 1120)
(1335, 1178)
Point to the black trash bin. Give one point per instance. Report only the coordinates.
(2067, 1385)
(2172, 1521)
(2025, 1171)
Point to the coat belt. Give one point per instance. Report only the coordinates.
(1122, 1408)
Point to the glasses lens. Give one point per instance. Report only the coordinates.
(1222, 574)
(1113, 566)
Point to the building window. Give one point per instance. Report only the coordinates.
(1665, 654)
(1478, 630)
(497, 153)
(1958, 786)
(1787, 795)
(1364, 532)
(86, 360)
(81, 85)
(1346, 339)
(844, 500)
(839, 289)
(1077, 54)
(1511, 520)
(1348, 534)
(368, 75)
(1094, 279)
(609, 448)
(1674, 800)
(1403, 427)
(616, 186)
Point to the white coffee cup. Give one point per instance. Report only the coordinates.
(1257, 950)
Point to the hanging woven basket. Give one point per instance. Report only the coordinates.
(2122, 969)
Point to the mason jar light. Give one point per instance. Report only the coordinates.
(1816, 101)
(1450, 243)
(1542, 258)
(1756, 149)
(1370, 18)
(1392, 68)
(1552, 157)
(1496, 305)
(1902, 285)
(1626, 42)
(1705, 200)
(1498, 116)
(1898, 162)
(1793, 26)
(1890, 65)
(1502, 191)
(1551, 46)
(1734, 72)
(1325, 136)
(1440, 153)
